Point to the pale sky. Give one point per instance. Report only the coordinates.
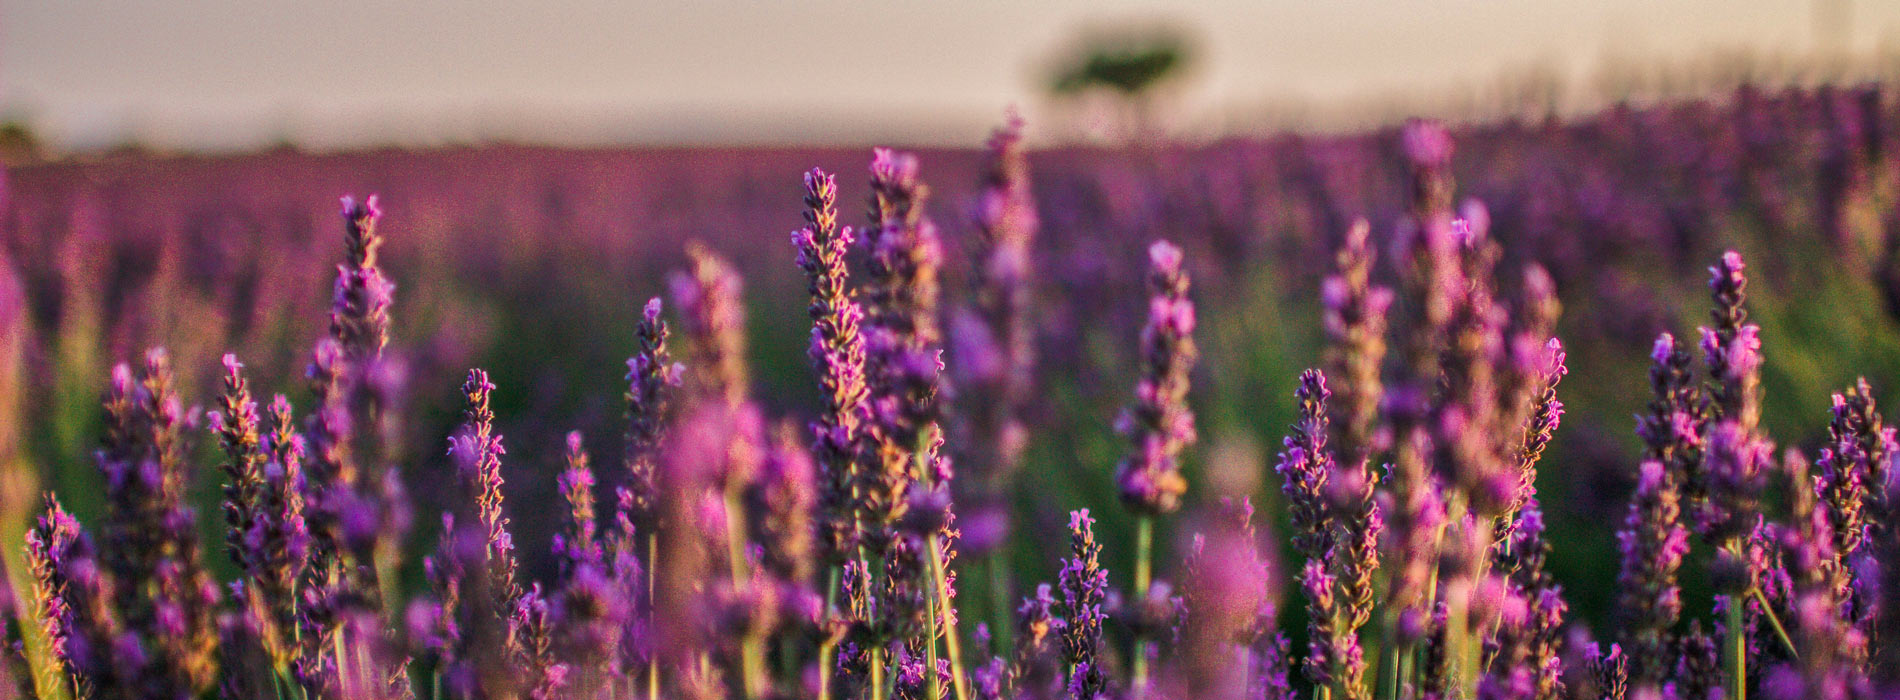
(230, 74)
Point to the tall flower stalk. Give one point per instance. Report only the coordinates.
(904, 370)
(1159, 423)
(652, 380)
(713, 310)
(993, 353)
(837, 358)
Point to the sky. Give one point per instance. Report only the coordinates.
(233, 74)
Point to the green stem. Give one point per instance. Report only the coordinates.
(1781, 633)
(825, 650)
(342, 665)
(653, 661)
(1388, 664)
(951, 643)
(1401, 657)
(877, 674)
(751, 650)
(1735, 650)
(1144, 576)
(932, 680)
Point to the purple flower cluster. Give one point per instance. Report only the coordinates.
(1159, 422)
(993, 342)
(837, 357)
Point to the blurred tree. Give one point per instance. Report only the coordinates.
(1128, 66)
(18, 143)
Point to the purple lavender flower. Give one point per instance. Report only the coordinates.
(903, 357)
(709, 299)
(1355, 322)
(837, 357)
(1698, 671)
(652, 378)
(483, 650)
(1267, 668)
(589, 618)
(1672, 427)
(577, 545)
(902, 288)
(1540, 426)
(476, 451)
(1355, 559)
(1305, 465)
(1738, 464)
(1831, 648)
(150, 533)
(1653, 544)
(1858, 447)
(278, 538)
(347, 491)
(1084, 585)
(75, 603)
(699, 456)
(1470, 421)
(1036, 669)
(779, 506)
(531, 623)
(1230, 598)
(359, 315)
(236, 424)
(631, 583)
(1732, 347)
(1522, 560)
(1419, 518)
(993, 346)
(1159, 422)
(1512, 672)
(1611, 670)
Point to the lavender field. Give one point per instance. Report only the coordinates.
(1563, 409)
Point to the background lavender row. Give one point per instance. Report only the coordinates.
(533, 263)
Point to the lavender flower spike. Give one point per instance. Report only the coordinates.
(74, 595)
(477, 452)
(1355, 322)
(1546, 412)
(1306, 465)
(236, 424)
(1653, 543)
(1857, 452)
(708, 296)
(1084, 585)
(359, 316)
(1159, 422)
(652, 379)
(992, 347)
(1229, 604)
(837, 357)
(1671, 428)
(577, 546)
(905, 252)
(151, 534)
(280, 534)
(1732, 347)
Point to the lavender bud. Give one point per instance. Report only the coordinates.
(1159, 422)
